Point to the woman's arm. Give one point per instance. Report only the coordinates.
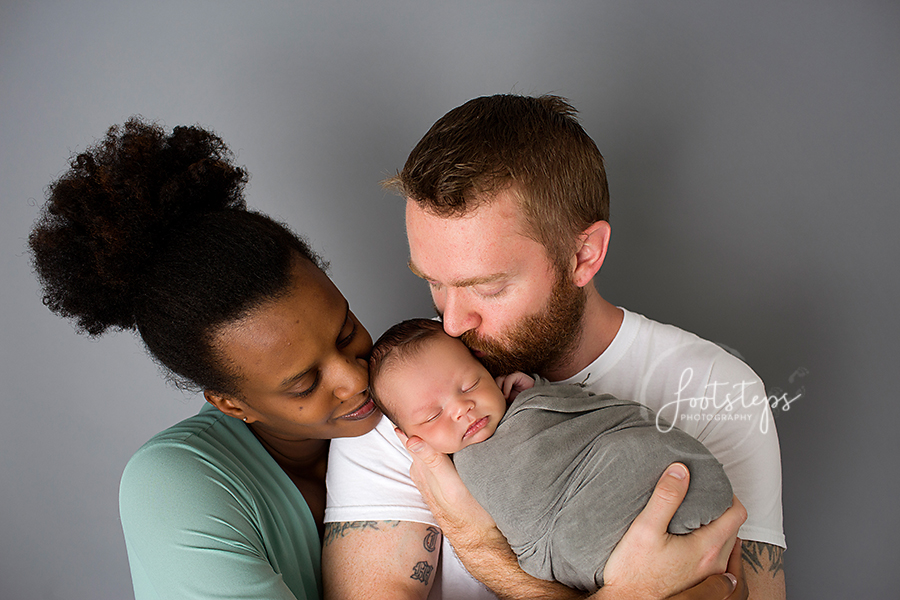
(191, 532)
(647, 563)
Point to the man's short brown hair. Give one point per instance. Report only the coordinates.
(532, 145)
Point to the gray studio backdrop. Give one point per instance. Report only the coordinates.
(753, 153)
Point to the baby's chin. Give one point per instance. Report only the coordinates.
(465, 444)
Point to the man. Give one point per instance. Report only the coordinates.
(507, 220)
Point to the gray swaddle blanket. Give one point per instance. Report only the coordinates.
(567, 471)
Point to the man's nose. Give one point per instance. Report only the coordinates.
(458, 316)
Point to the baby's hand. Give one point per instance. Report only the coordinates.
(514, 383)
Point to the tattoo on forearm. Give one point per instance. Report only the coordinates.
(422, 572)
(763, 557)
(339, 530)
(431, 539)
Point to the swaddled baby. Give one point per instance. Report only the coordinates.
(562, 471)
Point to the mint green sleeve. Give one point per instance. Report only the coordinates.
(195, 529)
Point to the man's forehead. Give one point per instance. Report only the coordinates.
(488, 229)
(462, 252)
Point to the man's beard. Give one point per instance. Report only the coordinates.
(540, 342)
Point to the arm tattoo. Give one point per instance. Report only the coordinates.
(422, 572)
(763, 557)
(431, 539)
(339, 530)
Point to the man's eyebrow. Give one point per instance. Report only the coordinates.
(460, 283)
(291, 380)
(415, 270)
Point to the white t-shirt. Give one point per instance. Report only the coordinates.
(693, 383)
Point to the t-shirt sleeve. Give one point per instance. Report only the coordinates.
(368, 480)
(190, 530)
(732, 418)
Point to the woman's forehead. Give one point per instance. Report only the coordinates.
(288, 331)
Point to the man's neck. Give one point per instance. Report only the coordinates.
(600, 325)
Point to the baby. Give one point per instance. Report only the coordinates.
(562, 471)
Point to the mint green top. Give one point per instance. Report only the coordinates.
(207, 513)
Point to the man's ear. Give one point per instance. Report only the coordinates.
(590, 252)
(228, 404)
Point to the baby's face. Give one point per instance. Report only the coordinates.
(443, 395)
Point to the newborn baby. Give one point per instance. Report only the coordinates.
(562, 471)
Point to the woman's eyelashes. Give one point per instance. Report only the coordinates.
(309, 390)
(348, 330)
(346, 336)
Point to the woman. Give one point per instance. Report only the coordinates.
(150, 232)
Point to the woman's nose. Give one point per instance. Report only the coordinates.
(353, 374)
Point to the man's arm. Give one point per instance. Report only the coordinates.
(371, 560)
(764, 570)
(646, 564)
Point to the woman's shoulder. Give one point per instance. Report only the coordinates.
(203, 500)
(207, 450)
(193, 435)
(208, 464)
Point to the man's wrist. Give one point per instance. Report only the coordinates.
(489, 559)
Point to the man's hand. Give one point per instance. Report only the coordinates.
(726, 586)
(647, 563)
(471, 530)
(651, 563)
(461, 518)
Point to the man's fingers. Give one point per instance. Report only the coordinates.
(423, 451)
(666, 498)
(442, 489)
(427, 464)
(735, 562)
(726, 527)
(736, 570)
(714, 587)
(418, 448)
(737, 514)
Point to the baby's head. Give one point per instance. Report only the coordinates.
(429, 384)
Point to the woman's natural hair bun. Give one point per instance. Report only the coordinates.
(112, 212)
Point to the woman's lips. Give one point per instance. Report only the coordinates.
(362, 412)
(476, 427)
